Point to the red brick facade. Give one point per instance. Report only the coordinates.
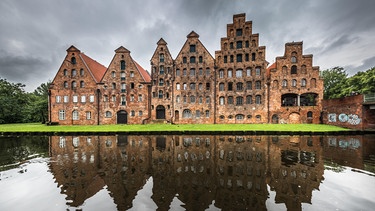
(195, 87)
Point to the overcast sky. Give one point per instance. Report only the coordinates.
(34, 34)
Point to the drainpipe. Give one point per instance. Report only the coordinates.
(49, 106)
(98, 105)
(214, 98)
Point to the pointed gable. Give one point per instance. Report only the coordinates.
(161, 42)
(192, 34)
(122, 49)
(72, 48)
(97, 70)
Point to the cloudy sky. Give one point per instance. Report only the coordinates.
(34, 35)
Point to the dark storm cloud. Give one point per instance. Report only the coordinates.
(38, 32)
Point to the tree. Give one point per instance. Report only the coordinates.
(12, 102)
(335, 80)
(37, 107)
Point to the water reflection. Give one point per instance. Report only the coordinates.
(196, 172)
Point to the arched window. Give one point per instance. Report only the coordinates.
(294, 57)
(248, 71)
(161, 70)
(239, 73)
(192, 99)
(221, 73)
(178, 86)
(192, 72)
(184, 60)
(161, 82)
(81, 72)
(258, 99)
(258, 85)
(160, 95)
(74, 72)
(207, 113)
(65, 72)
(113, 85)
(184, 72)
(313, 83)
(184, 98)
(284, 70)
(293, 70)
(294, 83)
(221, 86)
(184, 86)
(73, 60)
(309, 114)
(200, 100)
(122, 65)
(249, 85)
(74, 85)
(303, 82)
(221, 100)
(239, 86)
(239, 117)
(285, 83)
(113, 74)
(208, 100)
(253, 57)
(178, 99)
(192, 59)
(275, 84)
(66, 84)
(230, 73)
(303, 69)
(81, 84)
(108, 114)
(161, 57)
(186, 113)
(239, 100)
(249, 99)
(178, 72)
(230, 100)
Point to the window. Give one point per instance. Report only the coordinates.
(221, 86)
(185, 99)
(207, 86)
(221, 73)
(123, 87)
(239, 117)
(249, 99)
(82, 84)
(309, 114)
(131, 98)
(207, 113)
(238, 32)
(58, 99)
(221, 101)
(161, 57)
(303, 69)
(293, 70)
(192, 86)
(208, 72)
(66, 84)
(178, 86)
(160, 95)
(123, 100)
(177, 98)
(108, 114)
(178, 72)
(105, 98)
(200, 86)
(92, 98)
(192, 99)
(75, 99)
(192, 59)
(65, 72)
(231, 45)
(221, 117)
(81, 72)
(83, 99)
(293, 58)
(131, 85)
(239, 86)
(253, 57)
(131, 74)
(249, 85)
(88, 115)
(113, 73)
(200, 59)
(74, 85)
(230, 100)
(303, 82)
(161, 70)
(185, 86)
(140, 113)
(239, 57)
(75, 115)
(184, 60)
(258, 117)
(258, 85)
(248, 72)
(258, 99)
(197, 114)
(132, 113)
(192, 48)
(122, 65)
(208, 100)
(161, 82)
(122, 75)
(73, 60)
(200, 71)
(275, 84)
(230, 86)
(200, 100)
(257, 71)
(239, 100)
(230, 73)
(184, 72)
(66, 99)
(247, 57)
(239, 73)
(225, 59)
(231, 58)
(239, 44)
(247, 44)
(192, 72)
(313, 83)
(294, 82)
(61, 114)
(113, 98)
(285, 83)
(186, 113)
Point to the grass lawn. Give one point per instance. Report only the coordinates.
(37, 127)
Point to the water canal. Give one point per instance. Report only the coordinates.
(187, 172)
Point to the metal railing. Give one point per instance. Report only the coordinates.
(369, 98)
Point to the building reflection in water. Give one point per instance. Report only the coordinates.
(232, 172)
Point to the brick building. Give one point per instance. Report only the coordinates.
(235, 86)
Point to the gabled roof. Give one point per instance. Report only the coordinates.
(72, 48)
(122, 49)
(161, 42)
(97, 70)
(192, 34)
(145, 75)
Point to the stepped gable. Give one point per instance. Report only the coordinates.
(97, 70)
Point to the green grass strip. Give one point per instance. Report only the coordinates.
(37, 127)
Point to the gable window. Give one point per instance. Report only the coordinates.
(161, 70)
(249, 85)
(73, 60)
(293, 70)
(113, 73)
(61, 114)
(131, 74)
(122, 65)
(239, 57)
(192, 48)
(239, 100)
(161, 57)
(74, 72)
(239, 86)
(184, 60)
(192, 72)
(230, 100)
(239, 73)
(285, 83)
(131, 85)
(258, 99)
(239, 44)
(221, 73)
(258, 85)
(221, 101)
(82, 84)
(249, 99)
(238, 32)
(293, 59)
(65, 72)
(221, 87)
(81, 72)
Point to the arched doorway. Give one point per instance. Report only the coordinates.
(160, 112)
(294, 118)
(275, 119)
(122, 117)
(176, 115)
